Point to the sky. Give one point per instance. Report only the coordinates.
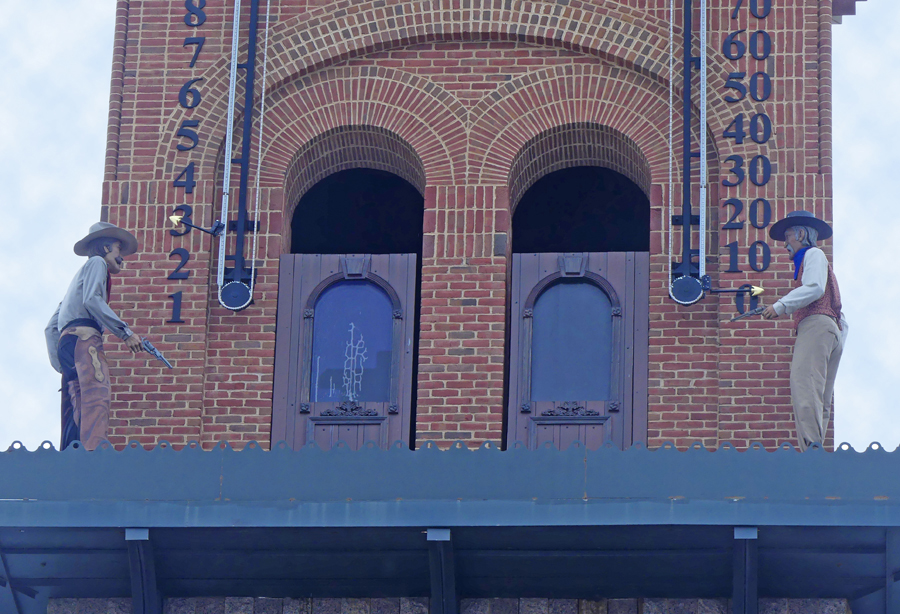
(54, 99)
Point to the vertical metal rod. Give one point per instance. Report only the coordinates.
(701, 207)
(685, 267)
(229, 138)
(238, 272)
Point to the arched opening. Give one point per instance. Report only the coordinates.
(345, 364)
(582, 209)
(579, 291)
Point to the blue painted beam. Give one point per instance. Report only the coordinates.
(486, 487)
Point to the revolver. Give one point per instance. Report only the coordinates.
(148, 347)
(747, 314)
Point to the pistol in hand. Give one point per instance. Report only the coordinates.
(753, 312)
(148, 347)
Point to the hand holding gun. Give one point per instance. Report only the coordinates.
(753, 312)
(148, 347)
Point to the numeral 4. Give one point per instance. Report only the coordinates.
(186, 179)
(737, 133)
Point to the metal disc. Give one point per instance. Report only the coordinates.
(235, 295)
(687, 290)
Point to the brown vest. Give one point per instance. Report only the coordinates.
(829, 304)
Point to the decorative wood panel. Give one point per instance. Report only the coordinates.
(621, 417)
(300, 419)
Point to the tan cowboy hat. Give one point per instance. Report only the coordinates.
(105, 229)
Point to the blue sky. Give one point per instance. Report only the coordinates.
(54, 101)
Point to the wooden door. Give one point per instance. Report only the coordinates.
(344, 349)
(578, 347)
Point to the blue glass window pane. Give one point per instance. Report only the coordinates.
(571, 343)
(352, 336)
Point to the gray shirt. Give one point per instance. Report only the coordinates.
(86, 298)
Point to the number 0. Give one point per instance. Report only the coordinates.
(760, 13)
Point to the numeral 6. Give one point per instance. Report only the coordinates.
(186, 89)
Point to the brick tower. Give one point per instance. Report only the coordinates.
(456, 161)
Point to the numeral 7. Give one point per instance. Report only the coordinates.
(199, 40)
(734, 13)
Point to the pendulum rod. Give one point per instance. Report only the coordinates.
(702, 205)
(245, 143)
(686, 286)
(685, 267)
(234, 292)
(229, 138)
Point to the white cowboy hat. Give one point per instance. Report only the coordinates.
(105, 229)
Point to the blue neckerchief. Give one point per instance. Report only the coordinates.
(798, 260)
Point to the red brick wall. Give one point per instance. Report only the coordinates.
(465, 89)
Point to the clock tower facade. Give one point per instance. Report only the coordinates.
(460, 221)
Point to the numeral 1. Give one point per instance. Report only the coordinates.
(176, 308)
(733, 257)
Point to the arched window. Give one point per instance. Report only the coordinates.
(572, 343)
(352, 339)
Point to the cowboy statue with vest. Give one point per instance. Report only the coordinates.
(820, 326)
(75, 335)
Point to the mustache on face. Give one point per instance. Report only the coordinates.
(119, 260)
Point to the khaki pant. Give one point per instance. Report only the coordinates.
(817, 354)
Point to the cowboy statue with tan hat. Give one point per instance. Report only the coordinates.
(75, 335)
(820, 326)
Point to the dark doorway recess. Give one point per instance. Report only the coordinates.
(582, 209)
(359, 211)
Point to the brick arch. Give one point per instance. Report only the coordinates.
(415, 112)
(331, 34)
(625, 102)
(349, 147)
(336, 32)
(578, 144)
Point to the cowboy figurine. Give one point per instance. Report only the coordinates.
(820, 326)
(75, 335)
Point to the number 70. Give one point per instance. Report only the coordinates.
(755, 9)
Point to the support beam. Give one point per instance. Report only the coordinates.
(9, 602)
(891, 570)
(443, 572)
(745, 596)
(144, 592)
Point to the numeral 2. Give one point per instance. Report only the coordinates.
(733, 223)
(185, 257)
